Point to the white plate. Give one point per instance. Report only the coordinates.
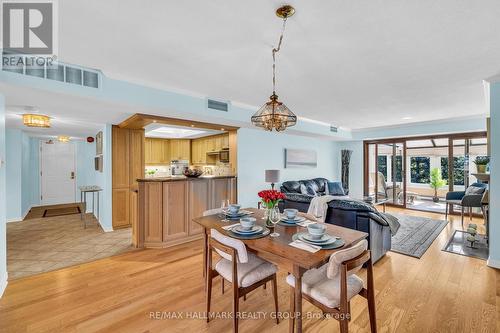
(325, 240)
(295, 220)
(238, 229)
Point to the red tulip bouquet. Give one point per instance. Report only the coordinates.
(270, 198)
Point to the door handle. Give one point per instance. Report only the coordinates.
(72, 175)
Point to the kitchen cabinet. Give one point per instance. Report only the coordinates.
(167, 208)
(180, 150)
(225, 141)
(200, 147)
(157, 151)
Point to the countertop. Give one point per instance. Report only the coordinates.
(178, 178)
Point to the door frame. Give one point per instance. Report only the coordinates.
(40, 190)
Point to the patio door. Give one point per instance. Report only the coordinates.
(385, 165)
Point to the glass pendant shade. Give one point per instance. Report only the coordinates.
(36, 120)
(274, 115)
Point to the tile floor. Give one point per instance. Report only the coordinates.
(44, 244)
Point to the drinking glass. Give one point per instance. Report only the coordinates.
(274, 217)
(224, 207)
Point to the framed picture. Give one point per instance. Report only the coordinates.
(98, 143)
(300, 158)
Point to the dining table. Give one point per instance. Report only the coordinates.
(278, 251)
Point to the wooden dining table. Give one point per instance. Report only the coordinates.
(278, 251)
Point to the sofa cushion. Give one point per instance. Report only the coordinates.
(290, 187)
(474, 189)
(308, 190)
(335, 188)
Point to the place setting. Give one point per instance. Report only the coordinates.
(246, 229)
(316, 238)
(290, 218)
(232, 212)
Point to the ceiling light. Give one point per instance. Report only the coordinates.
(36, 120)
(274, 114)
(222, 129)
(63, 138)
(407, 118)
(173, 132)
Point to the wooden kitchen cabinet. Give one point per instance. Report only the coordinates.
(157, 151)
(199, 202)
(121, 207)
(175, 210)
(180, 150)
(225, 141)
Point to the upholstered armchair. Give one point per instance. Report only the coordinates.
(471, 197)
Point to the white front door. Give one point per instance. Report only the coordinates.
(57, 172)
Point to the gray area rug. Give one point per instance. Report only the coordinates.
(416, 234)
(458, 244)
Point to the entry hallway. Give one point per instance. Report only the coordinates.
(441, 292)
(42, 244)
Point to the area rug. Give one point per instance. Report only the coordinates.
(458, 244)
(51, 212)
(416, 234)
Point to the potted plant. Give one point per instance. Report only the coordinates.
(436, 182)
(481, 162)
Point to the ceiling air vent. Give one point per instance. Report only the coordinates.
(217, 105)
(333, 129)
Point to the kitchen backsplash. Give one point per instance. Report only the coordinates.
(208, 170)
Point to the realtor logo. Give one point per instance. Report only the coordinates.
(29, 28)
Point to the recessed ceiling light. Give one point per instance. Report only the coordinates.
(221, 129)
(407, 118)
(192, 125)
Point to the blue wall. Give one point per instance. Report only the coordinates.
(3, 221)
(494, 259)
(259, 150)
(13, 164)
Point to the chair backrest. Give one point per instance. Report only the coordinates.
(212, 212)
(476, 188)
(239, 246)
(381, 183)
(337, 258)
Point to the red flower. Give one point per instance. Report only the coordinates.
(271, 197)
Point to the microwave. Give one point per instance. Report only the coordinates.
(224, 155)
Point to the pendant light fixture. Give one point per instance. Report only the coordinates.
(63, 138)
(274, 114)
(36, 120)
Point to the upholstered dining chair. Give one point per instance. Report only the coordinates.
(332, 286)
(471, 197)
(244, 270)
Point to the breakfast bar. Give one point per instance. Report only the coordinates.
(167, 207)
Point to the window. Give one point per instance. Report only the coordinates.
(398, 172)
(382, 165)
(458, 169)
(420, 168)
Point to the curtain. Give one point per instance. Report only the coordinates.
(346, 159)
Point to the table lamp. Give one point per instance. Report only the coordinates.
(272, 176)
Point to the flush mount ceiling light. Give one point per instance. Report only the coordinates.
(63, 138)
(274, 114)
(36, 120)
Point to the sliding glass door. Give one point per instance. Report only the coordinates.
(417, 173)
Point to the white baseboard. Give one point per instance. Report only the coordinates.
(20, 218)
(106, 229)
(493, 263)
(3, 283)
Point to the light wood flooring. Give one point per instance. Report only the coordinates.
(42, 244)
(441, 292)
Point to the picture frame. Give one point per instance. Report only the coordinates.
(98, 143)
(301, 158)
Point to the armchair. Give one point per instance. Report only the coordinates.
(471, 197)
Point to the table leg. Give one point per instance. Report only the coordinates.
(97, 217)
(205, 252)
(384, 207)
(81, 208)
(297, 273)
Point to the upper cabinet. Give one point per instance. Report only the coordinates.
(200, 147)
(180, 150)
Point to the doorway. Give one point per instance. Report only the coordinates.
(57, 173)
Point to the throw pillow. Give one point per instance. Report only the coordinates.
(335, 188)
(474, 190)
(307, 190)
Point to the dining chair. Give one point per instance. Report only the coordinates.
(244, 270)
(332, 286)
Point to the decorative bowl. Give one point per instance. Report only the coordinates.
(193, 173)
(316, 230)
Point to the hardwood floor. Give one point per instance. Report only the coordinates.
(441, 292)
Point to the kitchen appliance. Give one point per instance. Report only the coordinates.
(224, 155)
(178, 166)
